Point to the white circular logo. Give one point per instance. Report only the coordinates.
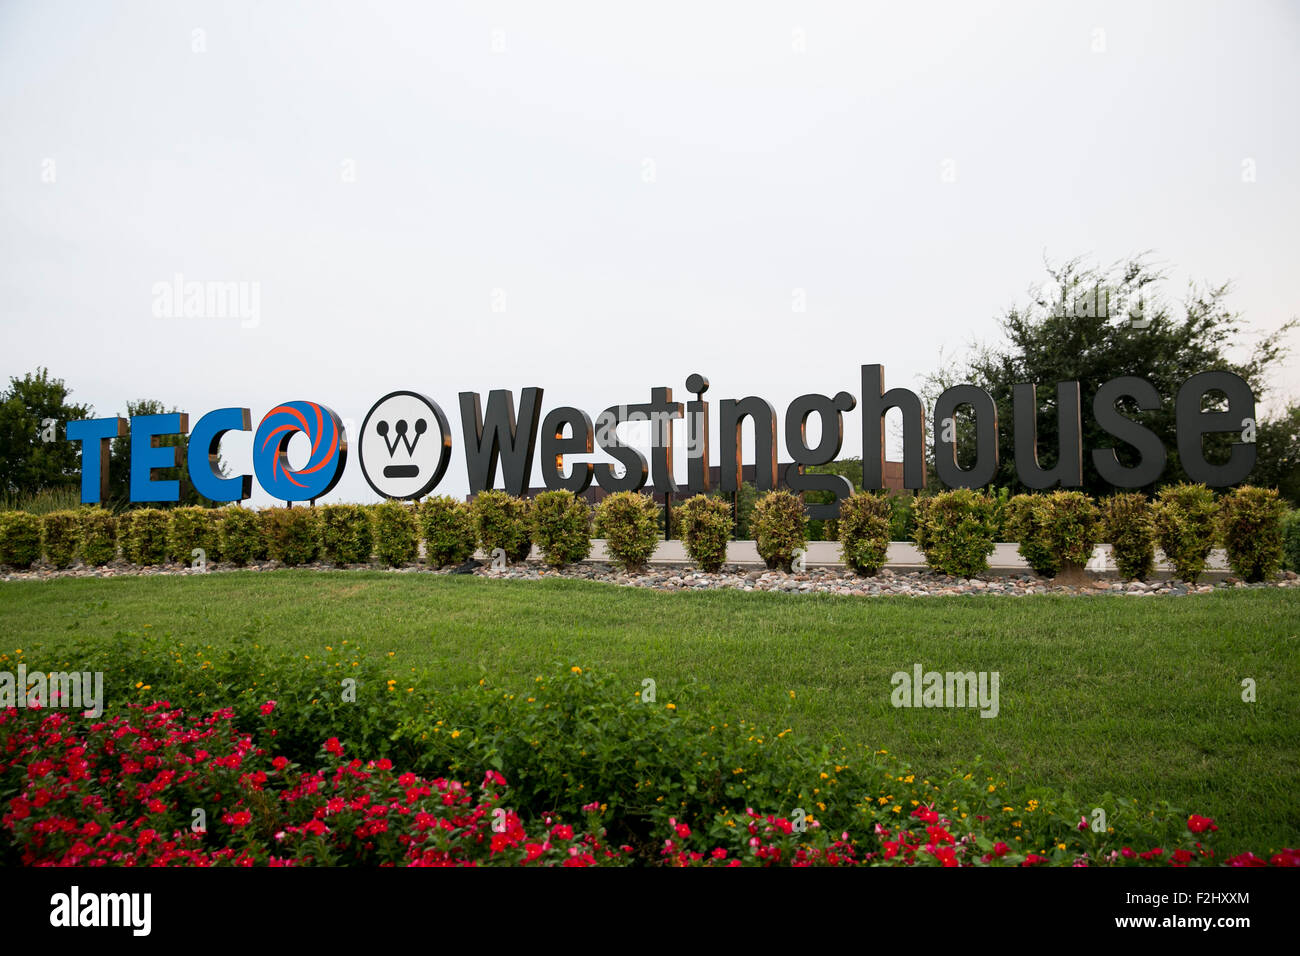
(405, 445)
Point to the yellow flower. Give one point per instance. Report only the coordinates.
(139, 684)
(1060, 846)
(1032, 806)
(455, 734)
(824, 775)
(575, 669)
(896, 808)
(671, 706)
(792, 695)
(992, 787)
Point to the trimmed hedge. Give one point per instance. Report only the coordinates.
(397, 535)
(98, 536)
(20, 539)
(1071, 527)
(1129, 526)
(143, 534)
(1185, 519)
(292, 535)
(1250, 521)
(346, 534)
(1024, 519)
(705, 524)
(864, 526)
(561, 524)
(629, 523)
(61, 537)
(956, 530)
(242, 533)
(780, 528)
(501, 521)
(192, 529)
(448, 529)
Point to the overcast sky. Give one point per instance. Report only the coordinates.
(598, 198)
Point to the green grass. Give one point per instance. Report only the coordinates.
(1135, 696)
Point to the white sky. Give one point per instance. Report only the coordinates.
(504, 146)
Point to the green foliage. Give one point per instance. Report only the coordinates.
(864, 527)
(98, 536)
(779, 527)
(448, 529)
(1291, 541)
(501, 521)
(561, 523)
(20, 539)
(1129, 527)
(143, 534)
(28, 464)
(629, 523)
(746, 498)
(1251, 525)
(292, 535)
(1024, 524)
(60, 537)
(706, 524)
(956, 531)
(1185, 519)
(1277, 454)
(1060, 530)
(242, 534)
(902, 517)
(346, 534)
(397, 534)
(43, 500)
(192, 527)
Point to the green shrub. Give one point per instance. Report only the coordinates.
(60, 537)
(1291, 541)
(1129, 528)
(20, 539)
(397, 535)
(902, 517)
(629, 523)
(501, 521)
(1071, 527)
(346, 534)
(143, 533)
(191, 529)
(779, 527)
(706, 526)
(864, 526)
(956, 531)
(1185, 520)
(448, 529)
(561, 523)
(292, 535)
(242, 533)
(98, 536)
(1250, 521)
(1023, 523)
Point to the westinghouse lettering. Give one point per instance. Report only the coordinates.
(406, 441)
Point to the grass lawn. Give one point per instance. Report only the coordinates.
(1136, 696)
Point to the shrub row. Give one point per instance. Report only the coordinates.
(956, 530)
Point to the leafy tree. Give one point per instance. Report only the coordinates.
(1278, 448)
(28, 464)
(1129, 331)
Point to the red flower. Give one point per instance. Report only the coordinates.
(267, 708)
(1001, 849)
(279, 763)
(562, 831)
(1200, 824)
(333, 746)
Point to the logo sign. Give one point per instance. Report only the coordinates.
(405, 445)
(329, 450)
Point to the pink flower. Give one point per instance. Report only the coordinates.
(267, 708)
